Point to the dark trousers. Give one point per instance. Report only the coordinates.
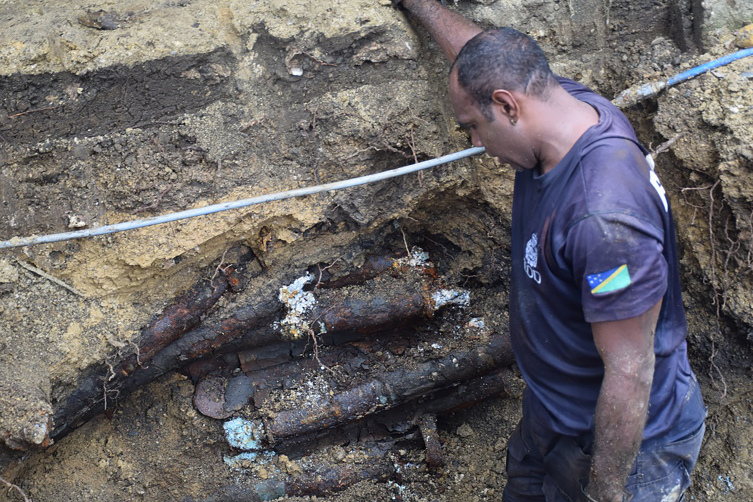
(543, 466)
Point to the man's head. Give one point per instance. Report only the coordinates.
(493, 82)
(502, 58)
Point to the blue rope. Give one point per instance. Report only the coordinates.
(633, 95)
(699, 70)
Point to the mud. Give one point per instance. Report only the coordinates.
(109, 113)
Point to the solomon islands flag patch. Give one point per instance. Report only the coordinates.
(611, 280)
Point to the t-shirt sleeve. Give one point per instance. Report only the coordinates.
(574, 88)
(617, 258)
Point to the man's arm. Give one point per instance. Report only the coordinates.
(627, 349)
(449, 29)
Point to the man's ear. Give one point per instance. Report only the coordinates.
(506, 103)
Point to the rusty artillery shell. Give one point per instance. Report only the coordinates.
(178, 319)
(217, 397)
(467, 394)
(391, 389)
(378, 304)
(372, 267)
(181, 317)
(331, 479)
(321, 479)
(174, 339)
(402, 420)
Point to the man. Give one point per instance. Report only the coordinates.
(612, 410)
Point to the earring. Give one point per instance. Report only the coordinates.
(513, 121)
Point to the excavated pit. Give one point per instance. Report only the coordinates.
(109, 115)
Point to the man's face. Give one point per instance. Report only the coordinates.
(500, 138)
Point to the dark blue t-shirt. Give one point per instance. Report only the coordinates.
(593, 240)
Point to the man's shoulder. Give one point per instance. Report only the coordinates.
(607, 110)
(582, 92)
(615, 172)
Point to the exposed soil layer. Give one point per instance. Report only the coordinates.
(108, 115)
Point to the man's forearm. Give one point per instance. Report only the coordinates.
(620, 417)
(449, 29)
(627, 349)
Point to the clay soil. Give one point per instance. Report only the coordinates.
(115, 115)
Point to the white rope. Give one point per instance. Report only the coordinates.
(225, 206)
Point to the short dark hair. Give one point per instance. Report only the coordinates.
(502, 58)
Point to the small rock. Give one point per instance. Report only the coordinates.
(464, 431)
(8, 273)
(99, 20)
(76, 221)
(744, 37)
(36, 434)
(338, 453)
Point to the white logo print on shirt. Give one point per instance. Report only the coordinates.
(654, 179)
(532, 258)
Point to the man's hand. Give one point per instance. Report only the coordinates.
(627, 349)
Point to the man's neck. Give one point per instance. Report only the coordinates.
(561, 121)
